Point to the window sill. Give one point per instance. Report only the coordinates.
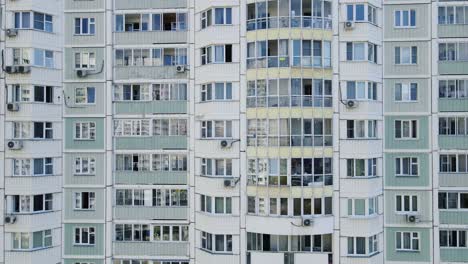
(408, 250)
(83, 245)
(84, 174)
(362, 177)
(30, 249)
(363, 255)
(216, 252)
(407, 176)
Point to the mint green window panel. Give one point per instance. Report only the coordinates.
(350, 206)
(359, 207)
(37, 239)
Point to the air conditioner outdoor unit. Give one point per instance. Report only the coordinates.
(180, 68)
(230, 183)
(11, 69)
(12, 32)
(410, 218)
(349, 25)
(13, 107)
(226, 143)
(15, 145)
(307, 221)
(351, 104)
(81, 73)
(24, 69)
(10, 219)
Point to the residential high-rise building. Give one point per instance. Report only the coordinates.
(248, 132)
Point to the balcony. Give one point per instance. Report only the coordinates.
(150, 107)
(298, 258)
(453, 179)
(150, 4)
(47, 255)
(152, 142)
(453, 67)
(453, 105)
(149, 213)
(453, 142)
(289, 225)
(453, 217)
(150, 177)
(126, 73)
(150, 37)
(452, 31)
(453, 255)
(170, 249)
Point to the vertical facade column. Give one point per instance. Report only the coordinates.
(408, 151)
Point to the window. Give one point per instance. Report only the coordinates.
(85, 95)
(152, 197)
(85, 26)
(361, 167)
(406, 166)
(85, 60)
(453, 126)
(222, 16)
(406, 55)
(406, 129)
(216, 243)
(216, 205)
(36, 93)
(34, 203)
(453, 163)
(289, 92)
(407, 241)
(359, 90)
(453, 200)
(289, 132)
(40, 167)
(216, 167)
(296, 172)
(216, 92)
(151, 162)
(406, 203)
(453, 89)
(43, 58)
(22, 130)
(154, 92)
(85, 200)
(356, 13)
(85, 131)
(355, 51)
(405, 18)
(356, 245)
(170, 233)
(42, 130)
(148, 127)
(361, 129)
(280, 243)
(39, 21)
(36, 240)
(85, 236)
(150, 22)
(132, 232)
(452, 238)
(453, 15)
(216, 129)
(216, 54)
(151, 57)
(85, 166)
(453, 51)
(406, 92)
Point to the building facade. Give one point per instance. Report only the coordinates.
(282, 131)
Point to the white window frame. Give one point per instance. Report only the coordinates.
(209, 92)
(88, 127)
(91, 25)
(81, 95)
(413, 161)
(78, 196)
(409, 50)
(91, 233)
(401, 203)
(399, 236)
(406, 92)
(401, 13)
(79, 168)
(209, 126)
(88, 57)
(411, 128)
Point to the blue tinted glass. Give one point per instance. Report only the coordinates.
(359, 12)
(91, 95)
(350, 13)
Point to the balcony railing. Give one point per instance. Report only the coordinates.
(289, 22)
